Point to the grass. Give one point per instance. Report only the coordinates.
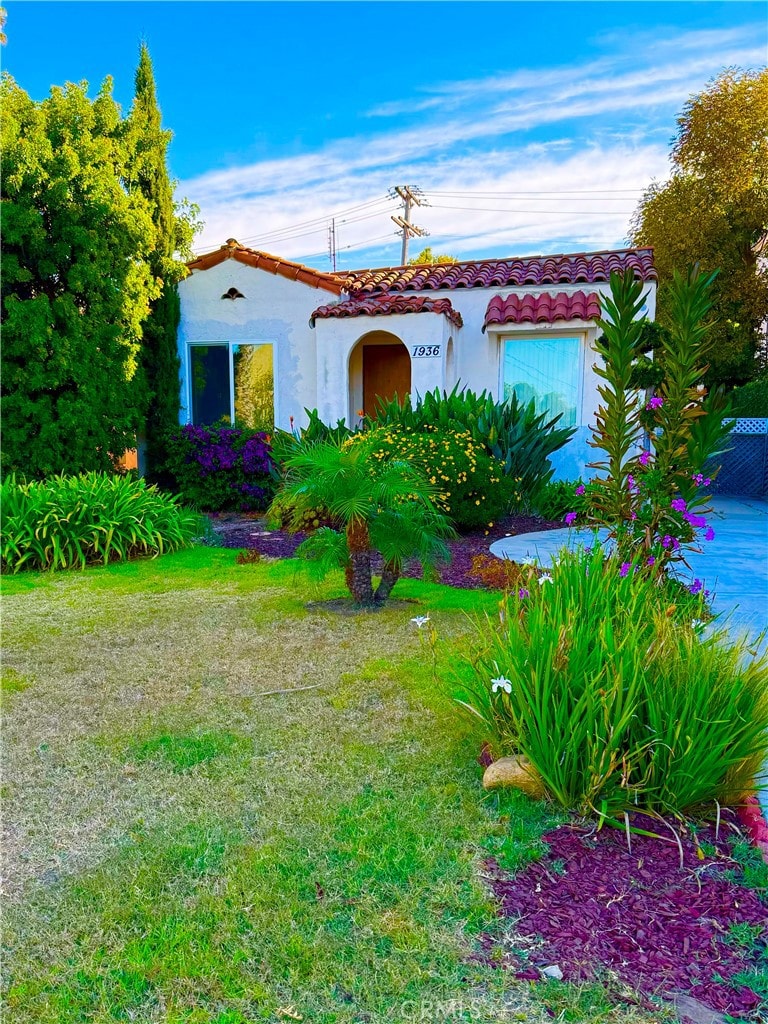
(185, 848)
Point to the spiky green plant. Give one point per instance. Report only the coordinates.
(380, 507)
(602, 678)
(73, 521)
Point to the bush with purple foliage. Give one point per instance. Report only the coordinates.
(221, 468)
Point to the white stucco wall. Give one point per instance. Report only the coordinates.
(275, 310)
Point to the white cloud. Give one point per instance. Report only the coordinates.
(600, 126)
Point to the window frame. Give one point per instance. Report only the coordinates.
(230, 345)
(507, 334)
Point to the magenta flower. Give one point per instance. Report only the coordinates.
(580, 489)
(701, 480)
(655, 403)
(570, 519)
(678, 504)
(697, 522)
(631, 482)
(625, 567)
(645, 458)
(710, 534)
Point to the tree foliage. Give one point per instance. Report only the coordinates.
(89, 235)
(714, 210)
(148, 173)
(427, 256)
(76, 282)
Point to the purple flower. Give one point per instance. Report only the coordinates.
(701, 480)
(580, 489)
(710, 534)
(625, 567)
(697, 522)
(523, 592)
(678, 504)
(651, 560)
(645, 458)
(570, 518)
(631, 482)
(666, 540)
(655, 403)
(696, 586)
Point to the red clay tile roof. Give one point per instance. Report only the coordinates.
(567, 268)
(232, 250)
(542, 309)
(385, 305)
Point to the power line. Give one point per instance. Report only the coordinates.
(552, 192)
(409, 196)
(564, 213)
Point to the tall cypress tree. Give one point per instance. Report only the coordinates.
(149, 174)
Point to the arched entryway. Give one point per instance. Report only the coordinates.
(379, 367)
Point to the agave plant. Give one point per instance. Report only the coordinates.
(387, 508)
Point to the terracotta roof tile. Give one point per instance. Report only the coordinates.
(386, 305)
(545, 308)
(567, 268)
(232, 250)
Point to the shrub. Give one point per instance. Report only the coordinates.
(286, 513)
(220, 468)
(752, 399)
(555, 499)
(515, 434)
(497, 573)
(70, 521)
(471, 487)
(601, 675)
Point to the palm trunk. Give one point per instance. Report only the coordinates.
(389, 576)
(358, 573)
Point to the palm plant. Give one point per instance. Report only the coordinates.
(386, 507)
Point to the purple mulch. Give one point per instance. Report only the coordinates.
(661, 928)
(249, 531)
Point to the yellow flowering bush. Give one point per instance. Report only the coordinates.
(471, 486)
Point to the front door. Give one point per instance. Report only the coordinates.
(386, 373)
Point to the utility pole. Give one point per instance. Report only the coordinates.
(332, 243)
(409, 196)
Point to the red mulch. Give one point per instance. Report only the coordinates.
(591, 905)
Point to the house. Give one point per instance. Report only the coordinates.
(262, 338)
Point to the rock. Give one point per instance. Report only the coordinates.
(516, 771)
(552, 972)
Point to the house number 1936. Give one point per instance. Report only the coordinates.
(420, 351)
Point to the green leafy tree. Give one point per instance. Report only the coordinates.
(77, 284)
(174, 229)
(427, 256)
(714, 210)
(387, 508)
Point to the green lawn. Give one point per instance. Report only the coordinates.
(182, 846)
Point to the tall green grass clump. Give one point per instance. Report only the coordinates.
(603, 676)
(73, 521)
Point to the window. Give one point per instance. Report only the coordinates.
(546, 369)
(234, 383)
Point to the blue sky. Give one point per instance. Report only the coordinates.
(529, 127)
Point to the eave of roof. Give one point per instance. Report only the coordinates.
(388, 305)
(564, 268)
(545, 308)
(232, 250)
